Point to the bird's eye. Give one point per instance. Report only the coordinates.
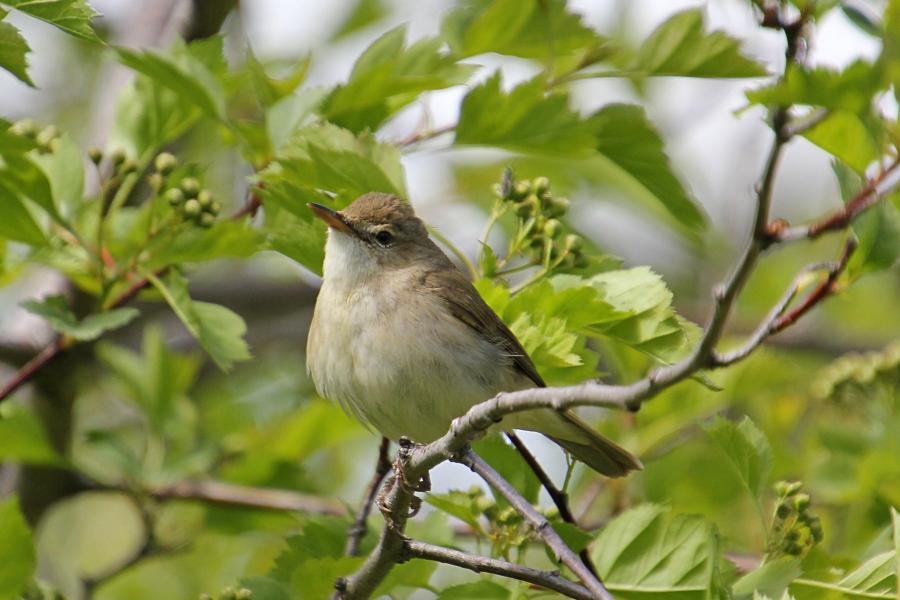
(384, 238)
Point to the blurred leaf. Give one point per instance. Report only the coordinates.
(16, 221)
(415, 574)
(465, 506)
(72, 16)
(523, 120)
(387, 77)
(876, 576)
(314, 578)
(270, 90)
(853, 138)
(850, 89)
(17, 557)
(771, 579)
(362, 14)
(647, 552)
(680, 47)
(189, 71)
(55, 309)
(63, 169)
(23, 439)
(861, 19)
(542, 30)
(627, 138)
(479, 590)
(218, 329)
(510, 464)
(575, 538)
(13, 49)
(224, 239)
(81, 524)
(747, 450)
(321, 537)
(266, 588)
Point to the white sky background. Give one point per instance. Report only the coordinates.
(717, 154)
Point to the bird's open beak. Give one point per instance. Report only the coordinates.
(332, 218)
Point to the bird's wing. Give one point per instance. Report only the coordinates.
(467, 305)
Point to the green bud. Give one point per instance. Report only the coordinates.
(117, 157)
(556, 207)
(792, 535)
(156, 181)
(96, 155)
(497, 189)
(540, 185)
(174, 196)
(205, 596)
(573, 243)
(54, 144)
(521, 189)
(788, 488)
(782, 510)
(523, 209)
(207, 219)
(815, 529)
(190, 186)
(165, 162)
(25, 128)
(205, 198)
(243, 594)
(552, 228)
(801, 502)
(227, 594)
(216, 207)
(129, 166)
(793, 549)
(47, 135)
(192, 208)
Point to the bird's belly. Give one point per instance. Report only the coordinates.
(405, 370)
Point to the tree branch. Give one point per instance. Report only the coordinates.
(550, 580)
(559, 497)
(563, 553)
(230, 494)
(359, 528)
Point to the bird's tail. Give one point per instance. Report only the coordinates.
(594, 450)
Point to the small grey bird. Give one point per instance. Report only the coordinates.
(402, 340)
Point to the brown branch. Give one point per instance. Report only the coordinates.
(421, 136)
(550, 580)
(558, 496)
(359, 528)
(540, 523)
(230, 494)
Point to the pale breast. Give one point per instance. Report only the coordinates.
(398, 360)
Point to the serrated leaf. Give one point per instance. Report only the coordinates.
(362, 14)
(72, 16)
(648, 553)
(224, 239)
(850, 89)
(629, 141)
(16, 221)
(529, 29)
(523, 120)
(55, 309)
(321, 537)
(23, 440)
(680, 47)
(17, 555)
(219, 330)
(771, 579)
(13, 51)
(747, 450)
(181, 72)
(387, 77)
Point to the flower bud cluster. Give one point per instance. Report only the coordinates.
(795, 530)
(46, 138)
(858, 372)
(184, 194)
(539, 213)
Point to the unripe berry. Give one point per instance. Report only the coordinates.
(216, 207)
(174, 196)
(523, 209)
(117, 157)
(96, 155)
(541, 185)
(573, 243)
(165, 163)
(801, 502)
(47, 135)
(552, 228)
(155, 180)
(521, 189)
(192, 208)
(207, 219)
(205, 199)
(190, 186)
(25, 128)
(129, 166)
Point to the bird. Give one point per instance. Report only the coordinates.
(403, 342)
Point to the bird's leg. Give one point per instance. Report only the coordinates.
(398, 477)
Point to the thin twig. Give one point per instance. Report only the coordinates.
(803, 124)
(359, 528)
(421, 136)
(558, 496)
(550, 580)
(230, 494)
(540, 523)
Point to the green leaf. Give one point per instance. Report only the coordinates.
(270, 90)
(387, 77)
(747, 450)
(23, 440)
(321, 537)
(648, 553)
(479, 590)
(415, 574)
(575, 538)
(13, 50)
(219, 330)
(771, 579)
(465, 506)
(627, 139)
(189, 71)
(680, 47)
(72, 16)
(16, 221)
(361, 15)
(224, 239)
(17, 556)
(63, 170)
(541, 30)
(314, 578)
(852, 138)
(850, 90)
(55, 309)
(878, 575)
(266, 588)
(523, 120)
(510, 464)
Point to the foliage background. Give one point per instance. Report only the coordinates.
(144, 407)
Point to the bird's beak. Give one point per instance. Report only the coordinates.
(332, 218)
